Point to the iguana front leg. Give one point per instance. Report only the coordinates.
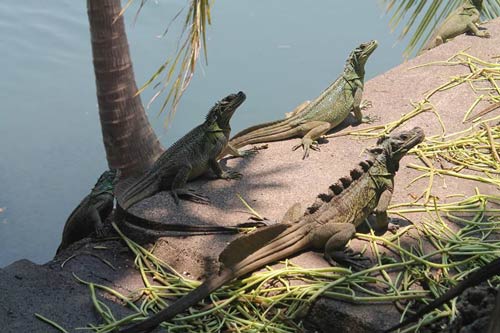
(179, 189)
(475, 30)
(216, 168)
(230, 150)
(381, 219)
(96, 221)
(360, 104)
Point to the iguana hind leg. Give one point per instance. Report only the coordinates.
(293, 214)
(178, 187)
(335, 246)
(312, 130)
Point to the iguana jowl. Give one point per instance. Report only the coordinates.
(191, 156)
(329, 224)
(89, 215)
(313, 119)
(461, 20)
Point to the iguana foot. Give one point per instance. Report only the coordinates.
(99, 230)
(230, 174)
(347, 257)
(484, 34)
(365, 104)
(369, 119)
(307, 144)
(393, 228)
(189, 194)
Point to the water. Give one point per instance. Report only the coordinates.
(278, 52)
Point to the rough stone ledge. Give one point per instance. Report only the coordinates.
(273, 180)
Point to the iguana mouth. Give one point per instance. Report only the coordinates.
(412, 138)
(368, 48)
(239, 98)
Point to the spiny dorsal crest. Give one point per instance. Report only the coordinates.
(340, 185)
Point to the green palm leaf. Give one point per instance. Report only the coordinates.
(175, 73)
(425, 15)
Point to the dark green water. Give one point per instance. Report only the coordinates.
(278, 52)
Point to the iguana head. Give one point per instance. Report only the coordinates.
(223, 110)
(397, 145)
(360, 55)
(105, 183)
(478, 4)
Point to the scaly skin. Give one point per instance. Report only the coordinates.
(481, 275)
(188, 158)
(463, 19)
(191, 156)
(89, 215)
(327, 225)
(312, 120)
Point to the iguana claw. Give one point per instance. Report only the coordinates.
(307, 144)
(230, 174)
(349, 257)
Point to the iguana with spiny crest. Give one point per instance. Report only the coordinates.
(463, 19)
(313, 119)
(329, 224)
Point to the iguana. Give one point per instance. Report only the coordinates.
(313, 119)
(328, 224)
(461, 20)
(89, 215)
(186, 159)
(189, 157)
(481, 275)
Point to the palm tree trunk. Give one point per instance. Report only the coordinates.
(130, 142)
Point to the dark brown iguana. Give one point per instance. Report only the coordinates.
(188, 158)
(329, 224)
(87, 217)
(481, 275)
(461, 20)
(314, 119)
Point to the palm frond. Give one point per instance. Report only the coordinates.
(425, 15)
(178, 70)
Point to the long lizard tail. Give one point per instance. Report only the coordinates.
(181, 304)
(268, 134)
(133, 190)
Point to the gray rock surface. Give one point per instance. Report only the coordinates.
(273, 180)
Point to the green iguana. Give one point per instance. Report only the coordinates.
(481, 275)
(313, 119)
(461, 20)
(89, 215)
(189, 157)
(328, 224)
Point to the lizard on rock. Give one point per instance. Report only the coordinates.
(461, 20)
(89, 215)
(328, 224)
(313, 119)
(192, 155)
